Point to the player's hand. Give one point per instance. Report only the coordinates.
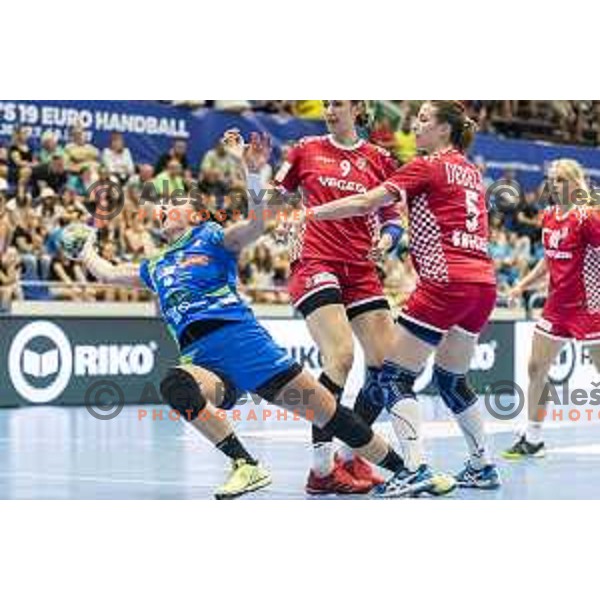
(514, 295)
(384, 245)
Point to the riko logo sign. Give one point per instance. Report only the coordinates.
(41, 361)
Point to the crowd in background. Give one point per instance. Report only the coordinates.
(42, 192)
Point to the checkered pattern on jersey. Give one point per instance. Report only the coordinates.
(591, 278)
(296, 241)
(426, 242)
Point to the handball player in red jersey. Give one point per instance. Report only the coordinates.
(456, 292)
(571, 238)
(334, 282)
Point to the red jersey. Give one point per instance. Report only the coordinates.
(448, 218)
(572, 251)
(324, 171)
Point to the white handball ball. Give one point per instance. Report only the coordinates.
(73, 239)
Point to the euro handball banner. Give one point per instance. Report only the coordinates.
(149, 128)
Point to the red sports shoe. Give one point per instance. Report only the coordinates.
(360, 469)
(339, 481)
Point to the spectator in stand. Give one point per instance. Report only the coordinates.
(138, 241)
(3, 165)
(177, 152)
(6, 226)
(170, 183)
(79, 153)
(70, 277)
(527, 219)
(507, 199)
(49, 209)
(49, 147)
(117, 158)
(20, 156)
(217, 171)
(49, 174)
(10, 278)
(382, 134)
(405, 141)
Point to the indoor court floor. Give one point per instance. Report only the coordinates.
(51, 452)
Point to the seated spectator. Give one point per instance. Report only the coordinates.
(70, 279)
(169, 183)
(49, 174)
(80, 154)
(510, 259)
(138, 241)
(117, 158)
(48, 209)
(20, 155)
(49, 147)
(27, 238)
(527, 218)
(507, 199)
(405, 141)
(10, 278)
(177, 152)
(6, 227)
(3, 166)
(217, 171)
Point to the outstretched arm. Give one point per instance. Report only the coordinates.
(538, 272)
(101, 269)
(353, 206)
(263, 204)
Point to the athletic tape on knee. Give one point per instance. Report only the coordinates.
(454, 390)
(397, 383)
(182, 392)
(349, 428)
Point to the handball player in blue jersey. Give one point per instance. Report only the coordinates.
(224, 350)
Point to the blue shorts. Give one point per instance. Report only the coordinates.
(243, 354)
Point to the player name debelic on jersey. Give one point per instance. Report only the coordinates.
(464, 176)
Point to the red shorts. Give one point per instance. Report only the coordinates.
(581, 326)
(314, 283)
(440, 307)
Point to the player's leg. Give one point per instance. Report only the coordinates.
(198, 394)
(594, 352)
(376, 331)
(297, 390)
(450, 375)
(328, 325)
(544, 350)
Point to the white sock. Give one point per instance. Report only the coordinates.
(471, 424)
(406, 420)
(533, 434)
(323, 458)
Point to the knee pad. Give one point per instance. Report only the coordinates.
(348, 427)
(181, 391)
(397, 383)
(454, 390)
(371, 389)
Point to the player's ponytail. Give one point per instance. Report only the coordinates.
(462, 127)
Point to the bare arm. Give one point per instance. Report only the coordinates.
(353, 206)
(101, 269)
(538, 272)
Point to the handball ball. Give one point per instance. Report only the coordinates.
(74, 238)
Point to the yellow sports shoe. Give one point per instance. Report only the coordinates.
(244, 478)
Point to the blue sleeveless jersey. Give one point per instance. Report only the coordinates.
(195, 279)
